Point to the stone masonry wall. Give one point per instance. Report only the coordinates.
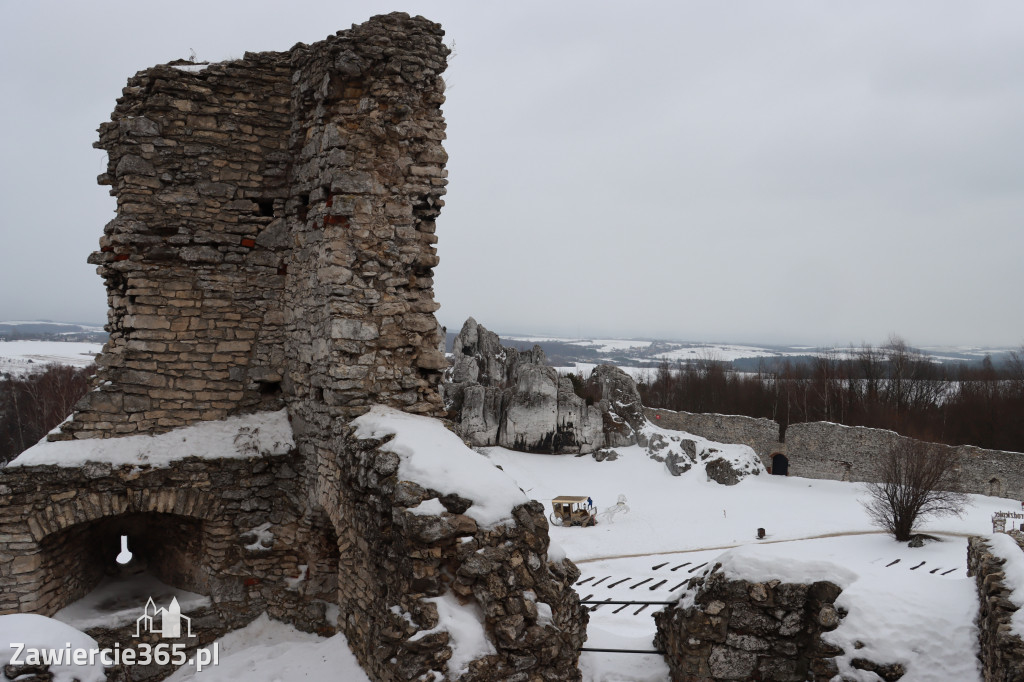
(1002, 653)
(393, 560)
(845, 453)
(842, 453)
(741, 630)
(189, 525)
(762, 435)
(367, 183)
(275, 222)
(195, 260)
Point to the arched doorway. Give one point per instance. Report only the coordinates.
(780, 465)
(168, 553)
(995, 487)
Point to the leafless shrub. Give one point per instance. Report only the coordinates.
(917, 480)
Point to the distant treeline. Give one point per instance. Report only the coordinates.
(888, 387)
(33, 404)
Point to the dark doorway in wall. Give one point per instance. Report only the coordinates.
(780, 465)
(995, 487)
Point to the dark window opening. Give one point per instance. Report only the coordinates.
(780, 465)
(266, 207)
(270, 387)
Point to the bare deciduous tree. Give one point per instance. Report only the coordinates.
(33, 404)
(917, 480)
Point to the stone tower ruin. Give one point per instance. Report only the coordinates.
(271, 262)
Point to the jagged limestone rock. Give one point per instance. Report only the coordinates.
(512, 398)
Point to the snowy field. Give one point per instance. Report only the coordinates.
(639, 352)
(585, 368)
(22, 357)
(910, 606)
(913, 606)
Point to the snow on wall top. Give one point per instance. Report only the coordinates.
(436, 458)
(1005, 547)
(751, 562)
(238, 437)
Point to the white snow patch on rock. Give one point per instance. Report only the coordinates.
(751, 563)
(431, 507)
(435, 458)
(263, 538)
(464, 624)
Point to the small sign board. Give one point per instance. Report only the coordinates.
(999, 520)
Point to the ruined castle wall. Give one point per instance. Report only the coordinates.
(274, 245)
(367, 184)
(189, 525)
(853, 453)
(762, 435)
(1002, 651)
(394, 560)
(836, 452)
(842, 453)
(275, 223)
(194, 262)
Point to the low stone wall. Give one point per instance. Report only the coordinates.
(762, 435)
(842, 453)
(740, 630)
(1002, 653)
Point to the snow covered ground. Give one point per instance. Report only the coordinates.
(22, 357)
(913, 606)
(269, 651)
(115, 603)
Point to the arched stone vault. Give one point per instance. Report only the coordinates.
(189, 503)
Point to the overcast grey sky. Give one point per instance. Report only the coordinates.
(807, 172)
